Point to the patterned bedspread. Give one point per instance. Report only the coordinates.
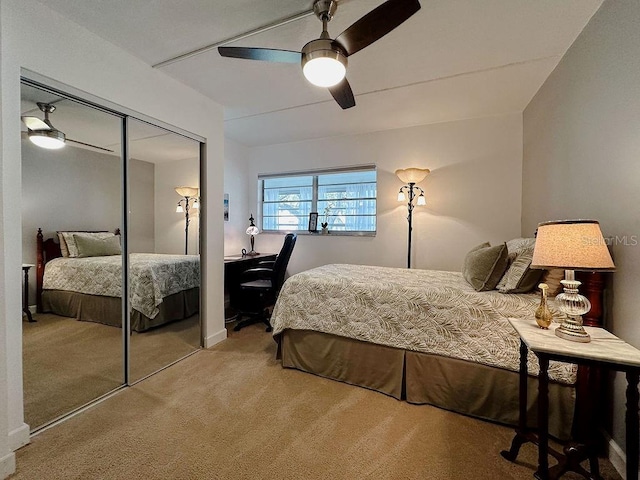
(153, 277)
(422, 310)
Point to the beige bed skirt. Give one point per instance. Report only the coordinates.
(108, 310)
(461, 386)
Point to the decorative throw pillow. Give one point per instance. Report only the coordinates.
(484, 265)
(89, 246)
(519, 278)
(71, 243)
(552, 278)
(63, 245)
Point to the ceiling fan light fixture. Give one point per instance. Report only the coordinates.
(323, 64)
(51, 139)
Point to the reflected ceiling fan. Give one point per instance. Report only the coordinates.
(45, 135)
(324, 61)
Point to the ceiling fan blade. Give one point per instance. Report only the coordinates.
(89, 145)
(34, 123)
(343, 94)
(376, 24)
(265, 54)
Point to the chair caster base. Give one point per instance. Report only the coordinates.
(251, 321)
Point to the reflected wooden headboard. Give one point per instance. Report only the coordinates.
(47, 250)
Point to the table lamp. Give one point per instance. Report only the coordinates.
(252, 230)
(572, 245)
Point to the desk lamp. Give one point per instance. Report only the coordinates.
(252, 231)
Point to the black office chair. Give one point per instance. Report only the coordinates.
(260, 286)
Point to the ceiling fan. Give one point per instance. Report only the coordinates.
(45, 135)
(324, 61)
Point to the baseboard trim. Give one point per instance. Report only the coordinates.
(7, 465)
(217, 337)
(19, 437)
(616, 456)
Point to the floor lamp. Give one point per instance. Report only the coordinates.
(411, 176)
(190, 200)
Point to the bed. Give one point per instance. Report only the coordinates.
(416, 335)
(163, 288)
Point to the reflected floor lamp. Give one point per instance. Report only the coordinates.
(190, 200)
(411, 176)
(572, 245)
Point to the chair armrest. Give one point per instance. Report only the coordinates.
(267, 263)
(258, 273)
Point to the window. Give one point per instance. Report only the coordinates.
(345, 199)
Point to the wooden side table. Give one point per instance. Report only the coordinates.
(604, 351)
(25, 297)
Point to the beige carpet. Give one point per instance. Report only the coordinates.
(232, 412)
(68, 363)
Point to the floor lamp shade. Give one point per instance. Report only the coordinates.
(412, 175)
(187, 191)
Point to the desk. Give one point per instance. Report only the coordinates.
(234, 265)
(604, 351)
(25, 297)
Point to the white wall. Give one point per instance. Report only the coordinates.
(473, 192)
(581, 154)
(170, 225)
(141, 236)
(237, 185)
(36, 38)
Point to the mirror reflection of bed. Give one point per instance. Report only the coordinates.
(74, 352)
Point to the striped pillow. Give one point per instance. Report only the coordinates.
(519, 278)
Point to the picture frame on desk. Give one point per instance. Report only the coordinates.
(313, 222)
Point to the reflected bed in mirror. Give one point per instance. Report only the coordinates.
(86, 283)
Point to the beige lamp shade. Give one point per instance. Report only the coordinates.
(412, 175)
(571, 245)
(187, 191)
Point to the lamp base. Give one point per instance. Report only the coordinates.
(574, 305)
(572, 329)
(252, 253)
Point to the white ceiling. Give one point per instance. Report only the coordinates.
(452, 60)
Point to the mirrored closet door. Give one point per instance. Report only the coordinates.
(71, 194)
(112, 213)
(164, 232)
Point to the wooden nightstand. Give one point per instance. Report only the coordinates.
(604, 351)
(25, 297)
